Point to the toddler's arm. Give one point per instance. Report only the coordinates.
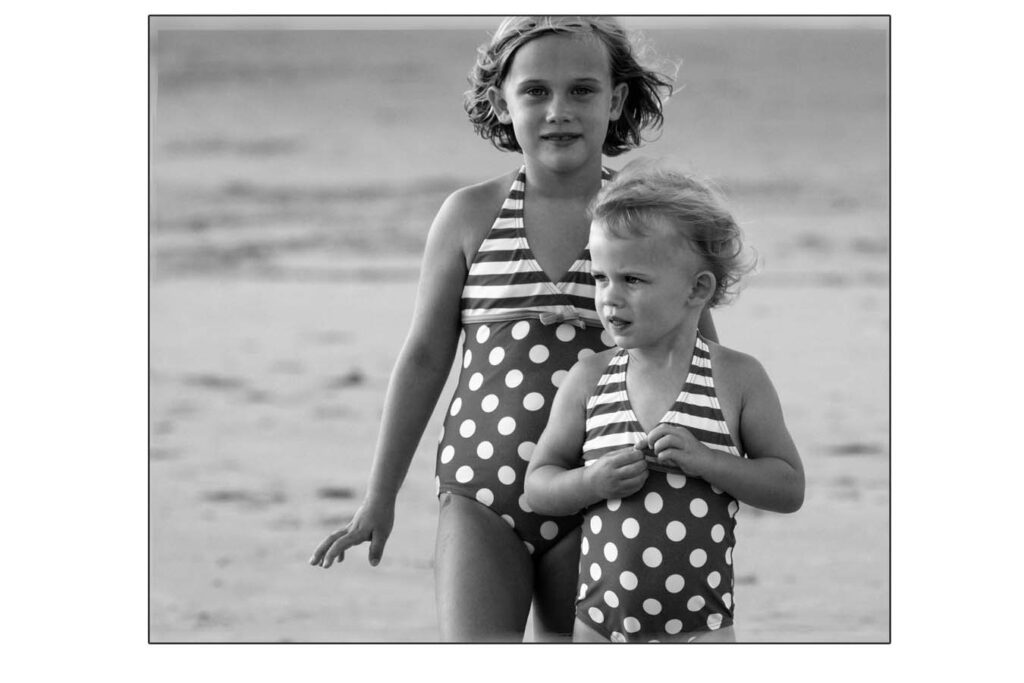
(772, 476)
(556, 483)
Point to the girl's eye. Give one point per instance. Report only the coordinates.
(582, 90)
(535, 92)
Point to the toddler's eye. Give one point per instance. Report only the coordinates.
(633, 280)
(582, 90)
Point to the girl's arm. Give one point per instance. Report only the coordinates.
(772, 476)
(419, 375)
(556, 483)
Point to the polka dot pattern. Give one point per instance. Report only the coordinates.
(513, 378)
(539, 353)
(565, 332)
(509, 375)
(506, 425)
(670, 571)
(506, 475)
(533, 401)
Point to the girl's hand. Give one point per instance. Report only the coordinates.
(618, 474)
(371, 523)
(673, 444)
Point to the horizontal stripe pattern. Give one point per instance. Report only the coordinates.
(611, 423)
(506, 281)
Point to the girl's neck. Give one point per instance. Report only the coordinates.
(673, 354)
(582, 183)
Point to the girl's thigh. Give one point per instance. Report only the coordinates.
(726, 634)
(483, 574)
(554, 607)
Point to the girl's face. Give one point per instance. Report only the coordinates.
(559, 98)
(648, 289)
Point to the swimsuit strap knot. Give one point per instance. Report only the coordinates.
(563, 316)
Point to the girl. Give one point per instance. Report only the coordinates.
(506, 265)
(661, 471)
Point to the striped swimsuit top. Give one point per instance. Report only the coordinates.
(612, 425)
(505, 282)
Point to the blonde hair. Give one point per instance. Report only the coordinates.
(630, 205)
(641, 110)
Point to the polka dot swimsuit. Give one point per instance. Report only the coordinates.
(657, 564)
(522, 334)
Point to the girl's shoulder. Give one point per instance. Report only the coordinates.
(583, 377)
(588, 370)
(470, 211)
(735, 371)
(475, 203)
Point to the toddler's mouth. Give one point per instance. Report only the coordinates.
(616, 322)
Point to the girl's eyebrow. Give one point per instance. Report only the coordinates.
(538, 80)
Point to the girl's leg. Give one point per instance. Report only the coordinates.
(554, 606)
(483, 574)
(581, 633)
(722, 635)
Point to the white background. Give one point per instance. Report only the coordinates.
(74, 372)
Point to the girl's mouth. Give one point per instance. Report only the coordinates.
(617, 323)
(561, 137)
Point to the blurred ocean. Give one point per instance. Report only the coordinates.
(279, 149)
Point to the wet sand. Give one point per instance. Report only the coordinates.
(264, 415)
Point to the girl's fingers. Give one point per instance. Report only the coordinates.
(337, 552)
(332, 555)
(346, 541)
(633, 469)
(624, 456)
(633, 484)
(325, 545)
(377, 548)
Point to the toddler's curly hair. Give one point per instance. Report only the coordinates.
(630, 204)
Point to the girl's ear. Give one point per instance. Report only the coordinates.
(703, 287)
(499, 105)
(619, 93)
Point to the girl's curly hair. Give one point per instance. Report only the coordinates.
(644, 192)
(641, 110)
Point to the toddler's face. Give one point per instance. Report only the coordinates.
(559, 98)
(644, 285)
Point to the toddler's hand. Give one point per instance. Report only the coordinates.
(618, 474)
(678, 446)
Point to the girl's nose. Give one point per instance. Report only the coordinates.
(609, 295)
(559, 110)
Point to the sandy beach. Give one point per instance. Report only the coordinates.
(287, 219)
